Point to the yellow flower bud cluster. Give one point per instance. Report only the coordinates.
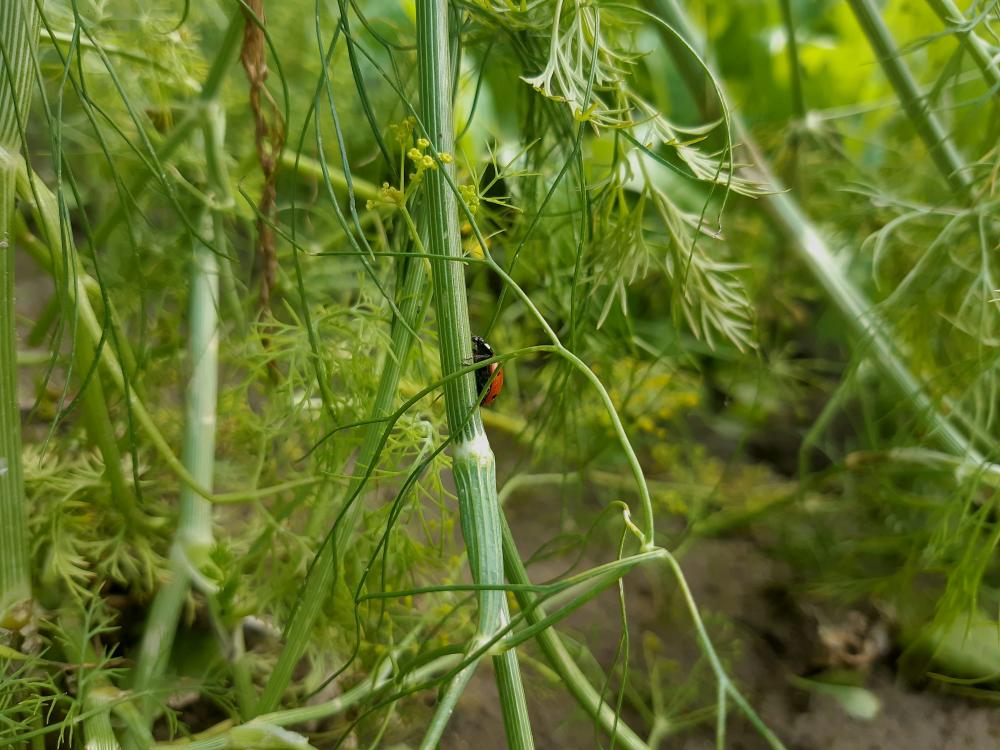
(403, 132)
(387, 196)
(423, 161)
(470, 194)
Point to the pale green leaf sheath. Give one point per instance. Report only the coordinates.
(19, 22)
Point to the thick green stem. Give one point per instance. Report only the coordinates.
(19, 24)
(97, 728)
(474, 465)
(943, 151)
(193, 539)
(15, 581)
(513, 706)
(98, 695)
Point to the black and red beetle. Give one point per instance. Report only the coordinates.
(480, 351)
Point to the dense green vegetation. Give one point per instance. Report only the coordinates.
(739, 264)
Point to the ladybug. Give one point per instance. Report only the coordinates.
(480, 351)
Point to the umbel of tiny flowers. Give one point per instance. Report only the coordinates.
(470, 194)
(419, 158)
(387, 196)
(423, 161)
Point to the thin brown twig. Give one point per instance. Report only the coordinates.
(269, 136)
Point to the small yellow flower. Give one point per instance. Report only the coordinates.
(472, 248)
(403, 132)
(470, 196)
(387, 196)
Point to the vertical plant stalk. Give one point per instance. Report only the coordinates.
(794, 69)
(473, 463)
(15, 580)
(943, 151)
(873, 334)
(19, 24)
(193, 538)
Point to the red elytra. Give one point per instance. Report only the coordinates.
(480, 351)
